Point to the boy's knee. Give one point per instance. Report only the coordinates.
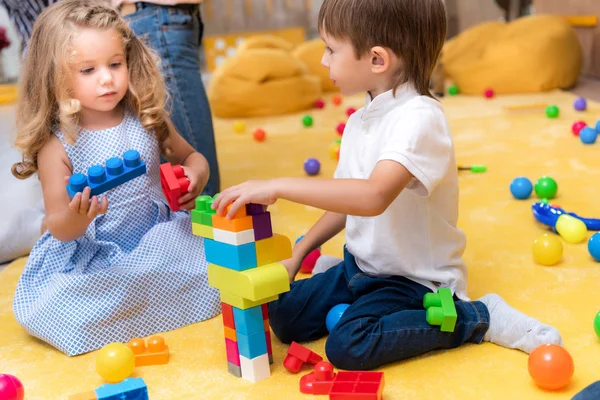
(345, 356)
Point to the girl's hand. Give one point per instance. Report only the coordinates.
(187, 201)
(82, 205)
(258, 192)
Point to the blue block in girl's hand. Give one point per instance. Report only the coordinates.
(101, 179)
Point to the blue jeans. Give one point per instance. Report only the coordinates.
(384, 324)
(174, 33)
(592, 392)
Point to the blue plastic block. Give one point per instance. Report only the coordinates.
(253, 345)
(248, 321)
(129, 389)
(239, 258)
(101, 179)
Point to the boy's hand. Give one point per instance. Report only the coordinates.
(82, 205)
(293, 266)
(187, 201)
(258, 192)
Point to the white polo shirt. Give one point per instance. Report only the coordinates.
(416, 237)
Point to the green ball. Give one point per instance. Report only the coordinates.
(597, 324)
(545, 201)
(307, 121)
(552, 111)
(546, 188)
(453, 90)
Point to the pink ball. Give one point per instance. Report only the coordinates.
(308, 264)
(577, 127)
(350, 111)
(319, 104)
(11, 388)
(488, 93)
(340, 128)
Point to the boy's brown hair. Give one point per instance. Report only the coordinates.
(414, 30)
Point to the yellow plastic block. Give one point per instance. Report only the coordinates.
(203, 230)
(230, 334)
(273, 249)
(242, 303)
(252, 284)
(585, 21)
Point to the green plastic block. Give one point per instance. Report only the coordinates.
(440, 309)
(203, 213)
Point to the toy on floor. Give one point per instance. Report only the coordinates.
(309, 262)
(549, 215)
(350, 111)
(334, 315)
(472, 168)
(552, 111)
(320, 104)
(571, 229)
(259, 135)
(297, 356)
(243, 256)
(174, 184)
(577, 127)
(343, 385)
(115, 362)
(597, 324)
(546, 188)
(521, 188)
(594, 246)
(152, 352)
(307, 121)
(101, 179)
(551, 366)
(334, 149)
(337, 100)
(239, 127)
(11, 388)
(340, 128)
(580, 104)
(312, 166)
(588, 135)
(441, 310)
(453, 90)
(128, 389)
(547, 250)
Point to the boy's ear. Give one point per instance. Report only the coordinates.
(380, 59)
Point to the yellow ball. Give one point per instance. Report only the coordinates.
(571, 229)
(547, 249)
(115, 362)
(239, 127)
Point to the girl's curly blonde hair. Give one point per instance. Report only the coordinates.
(45, 102)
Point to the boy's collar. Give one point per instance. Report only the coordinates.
(384, 102)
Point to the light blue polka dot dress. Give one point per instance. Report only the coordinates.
(136, 271)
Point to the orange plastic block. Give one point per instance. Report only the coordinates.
(91, 395)
(154, 353)
(230, 334)
(232, 225)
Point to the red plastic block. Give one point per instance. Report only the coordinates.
(269, 345)
(357, 385)
(265, 311)
(174, 183)
(298, 355)
(233, 354)
(228, 320)
(319, 381)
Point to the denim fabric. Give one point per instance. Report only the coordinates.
(174, 33)
(592, 392)
(384, 324)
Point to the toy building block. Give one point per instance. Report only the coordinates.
(318, 381)
(229, 333)
(174, 184)
(255, 369)
(253, 284)
(129, 389)
(238, 258)
(357, 385)
(101, 179)
(204, 231)
(233, 354)
(265, 313)
(234, 370)
(154, 352)
(91, 395)
(297, 355)
(248, 321)
(233, 238)
(262, 226)
(242, 303)
(227, 312)
(232, 225)
(255, 209)
(203, 213)
(273, 249)
(253, 345)
(269, 345)
(440, 309)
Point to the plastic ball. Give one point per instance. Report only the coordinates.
(488, 93)
(551, 366)
(580, 104)
(597, 126)
(552, 111)
(334, 315)
(337, 100)
(11, 388)
(320, 104)
(577, 127)
(546, 188)
(594, 246)
(350, 111)
(307, 121)
(597, 324)
(340, 128)
(334, 149)
(239, 127)
(547, 250)
(521, 188)
(588, 135)
(312, 166)
(453, 90)
(572, 229)
(115, 362)
(259, 135)
(309, 262)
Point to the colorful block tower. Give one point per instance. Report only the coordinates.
(243, 255)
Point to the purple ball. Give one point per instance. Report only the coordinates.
(312, 166)
(580, 104)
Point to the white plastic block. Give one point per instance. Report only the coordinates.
(255, 369)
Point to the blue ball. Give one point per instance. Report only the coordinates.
(334, 315)
(588, 135)
(594, 246)
(521, 188)
(580, 104)
(312, 166)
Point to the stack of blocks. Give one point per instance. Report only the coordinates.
(243, 256)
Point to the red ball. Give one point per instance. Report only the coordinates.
(309, 262)
(350, 111)
(488, 93)
(551, 366)
(259, 135)
(11, 388)
(337, 100)
(320, 104)
(577, 127)
(340, 128)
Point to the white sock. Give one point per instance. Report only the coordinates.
(515, 330)
(324, 263)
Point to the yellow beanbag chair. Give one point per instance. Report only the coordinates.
(265, 42)
(310, 53)
(531, 54)
(261, 82)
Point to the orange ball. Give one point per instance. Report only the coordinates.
(259, 135)
(337, 100)
(551, 366)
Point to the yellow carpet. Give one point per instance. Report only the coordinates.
(500, 231)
